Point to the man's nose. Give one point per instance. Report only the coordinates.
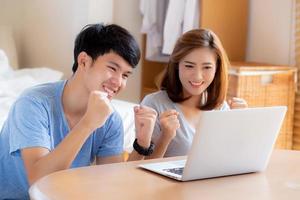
(116, 80)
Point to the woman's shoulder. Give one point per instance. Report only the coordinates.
(161, 94)
(159, 97)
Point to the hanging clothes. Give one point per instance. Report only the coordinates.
(181, 16)
(191, 15)
(153, 12)
(163, 22)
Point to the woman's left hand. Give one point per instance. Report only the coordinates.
(235, 103)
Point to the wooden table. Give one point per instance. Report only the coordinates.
(281, 180)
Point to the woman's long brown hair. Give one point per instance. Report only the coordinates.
(216, 91)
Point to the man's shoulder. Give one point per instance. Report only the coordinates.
(43, 91)
(114, 118)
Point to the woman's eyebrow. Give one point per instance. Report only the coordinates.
(189, 62)
(207, 63)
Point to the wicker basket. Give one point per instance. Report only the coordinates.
(296, 130)
(266, 85)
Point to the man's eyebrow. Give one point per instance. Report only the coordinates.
(114, 63)
(128, 72)
(118, 66)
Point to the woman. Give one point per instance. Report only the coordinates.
(195, 80)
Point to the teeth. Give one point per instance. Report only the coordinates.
(196, 83)
(109, 91)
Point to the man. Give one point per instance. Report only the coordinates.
(66, 124)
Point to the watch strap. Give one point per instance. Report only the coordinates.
(143, 151)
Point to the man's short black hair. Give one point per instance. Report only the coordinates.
(98, 39)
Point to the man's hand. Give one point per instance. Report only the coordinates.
(36, 159)
(145, 118)
(98, 110)
(169, 124)
(235, 103)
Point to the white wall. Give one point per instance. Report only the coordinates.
(127, 14)
(270, 35)
(48, 31)
(100, 11)
(9, 20)
(45, 31)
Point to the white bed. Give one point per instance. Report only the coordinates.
(13, 81)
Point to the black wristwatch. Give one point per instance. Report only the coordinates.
(143, 151)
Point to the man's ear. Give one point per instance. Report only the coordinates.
(82, 59)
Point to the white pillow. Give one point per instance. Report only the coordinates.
(5, 69)
(12, 85)
(125, 109)
(39, 74)
(7, 43)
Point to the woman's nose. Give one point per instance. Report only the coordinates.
(198, 74)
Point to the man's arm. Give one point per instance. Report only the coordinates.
(160, 147)
(40, 161)
(169, 123)
(145, 118)
(135, 156)
(109, 159)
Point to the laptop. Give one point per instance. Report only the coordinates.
(227, 143)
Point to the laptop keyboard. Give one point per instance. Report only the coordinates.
(178, 170)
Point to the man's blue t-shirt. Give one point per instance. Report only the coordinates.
(37, 120)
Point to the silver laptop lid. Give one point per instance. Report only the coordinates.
(233, 142)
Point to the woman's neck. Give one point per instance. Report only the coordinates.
(192, 102)
(190, 110)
